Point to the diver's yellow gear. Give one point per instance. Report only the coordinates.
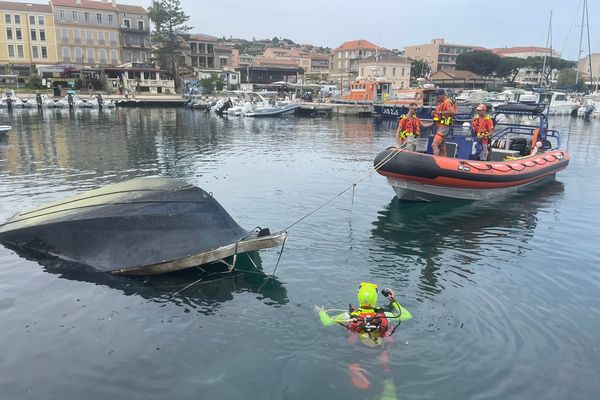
(367, 295)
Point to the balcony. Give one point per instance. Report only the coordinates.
(157, 83)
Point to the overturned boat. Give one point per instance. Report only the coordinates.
(524, 151)
(144, 226)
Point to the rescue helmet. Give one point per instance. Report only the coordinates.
(367, 295)
(440, 92)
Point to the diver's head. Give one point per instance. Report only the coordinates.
(367, 295)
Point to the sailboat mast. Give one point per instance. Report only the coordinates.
(547, 44)
(580, 41)
(587, 22)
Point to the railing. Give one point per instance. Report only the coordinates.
(155, 82)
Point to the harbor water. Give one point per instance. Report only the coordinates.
(504, 295)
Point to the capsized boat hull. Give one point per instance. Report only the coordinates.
(140, 227)
(423, 177)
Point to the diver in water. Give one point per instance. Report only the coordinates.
(371, 325)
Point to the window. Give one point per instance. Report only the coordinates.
(78, 55)
(394, 71)
(7, 18)
(66, 53)
(102, 56)
(18, 34)
(384, 71)
(35, 52)
(209, 48)
(9, 35)
(110, 19)
(143, 56)
(42, 35)
(141, 25)
(100, 37)
(20, 52)
(44, 52)
(194, 47)
(74, 15)
(113, 56)
(113, 39)
(89, 36)
(32, 20)
(402, 71)
(33, 34)
(127, 23)
(90, 55)
(61, 14)
(201, 48)
(11, 51)
(86, 16)
(17, 19)
(99, 18)
(77, 35)
(41, 20)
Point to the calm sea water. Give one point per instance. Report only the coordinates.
(505, 295)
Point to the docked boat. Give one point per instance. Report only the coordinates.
(274, 111)
(144, 226)
(522, 154)
(4, 129)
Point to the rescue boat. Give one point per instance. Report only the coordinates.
(524, 151)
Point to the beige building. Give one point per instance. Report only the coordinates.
(87, 32)
(343, 61)
(584, 68)
(27, 37)
(439, 55)
(528, 76)
(201, 51)
(300, 57)
(319, 68)
(388, 66)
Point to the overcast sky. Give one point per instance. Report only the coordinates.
(398, 23)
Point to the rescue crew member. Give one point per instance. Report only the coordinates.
(409, 128)
(442, 118)
(370, 325)
(483, 127)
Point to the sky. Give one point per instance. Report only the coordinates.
(398, 23)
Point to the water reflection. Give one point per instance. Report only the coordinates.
(202, 289)
(457, 235)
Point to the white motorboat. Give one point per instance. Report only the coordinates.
(274, 111)
(9, 95)
(4, 129)
(558, 103)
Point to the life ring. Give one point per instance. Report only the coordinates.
(418, 96)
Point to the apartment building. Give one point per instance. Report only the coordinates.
(87, 32)
(528, 76)
(343, 61)
(201, 51)
(389, 66)
(134, 32)
(27, 37)
(440, 55)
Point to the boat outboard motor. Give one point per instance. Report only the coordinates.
(225, 107)
(100, 101)
(588, 111)
(38, 100)
(70, 100)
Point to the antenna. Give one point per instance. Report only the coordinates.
(587, 21)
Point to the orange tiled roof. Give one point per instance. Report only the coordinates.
(131, 9)
(357, 44)
(26, 7)
(512, 50)
(95, 5)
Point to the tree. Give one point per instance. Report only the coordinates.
(551, 64)
(483, 63)
(567, 78)
(509, 67)
(419, 69)
(211, 83)
(169, 31)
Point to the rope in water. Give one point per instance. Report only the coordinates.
(352, 186)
